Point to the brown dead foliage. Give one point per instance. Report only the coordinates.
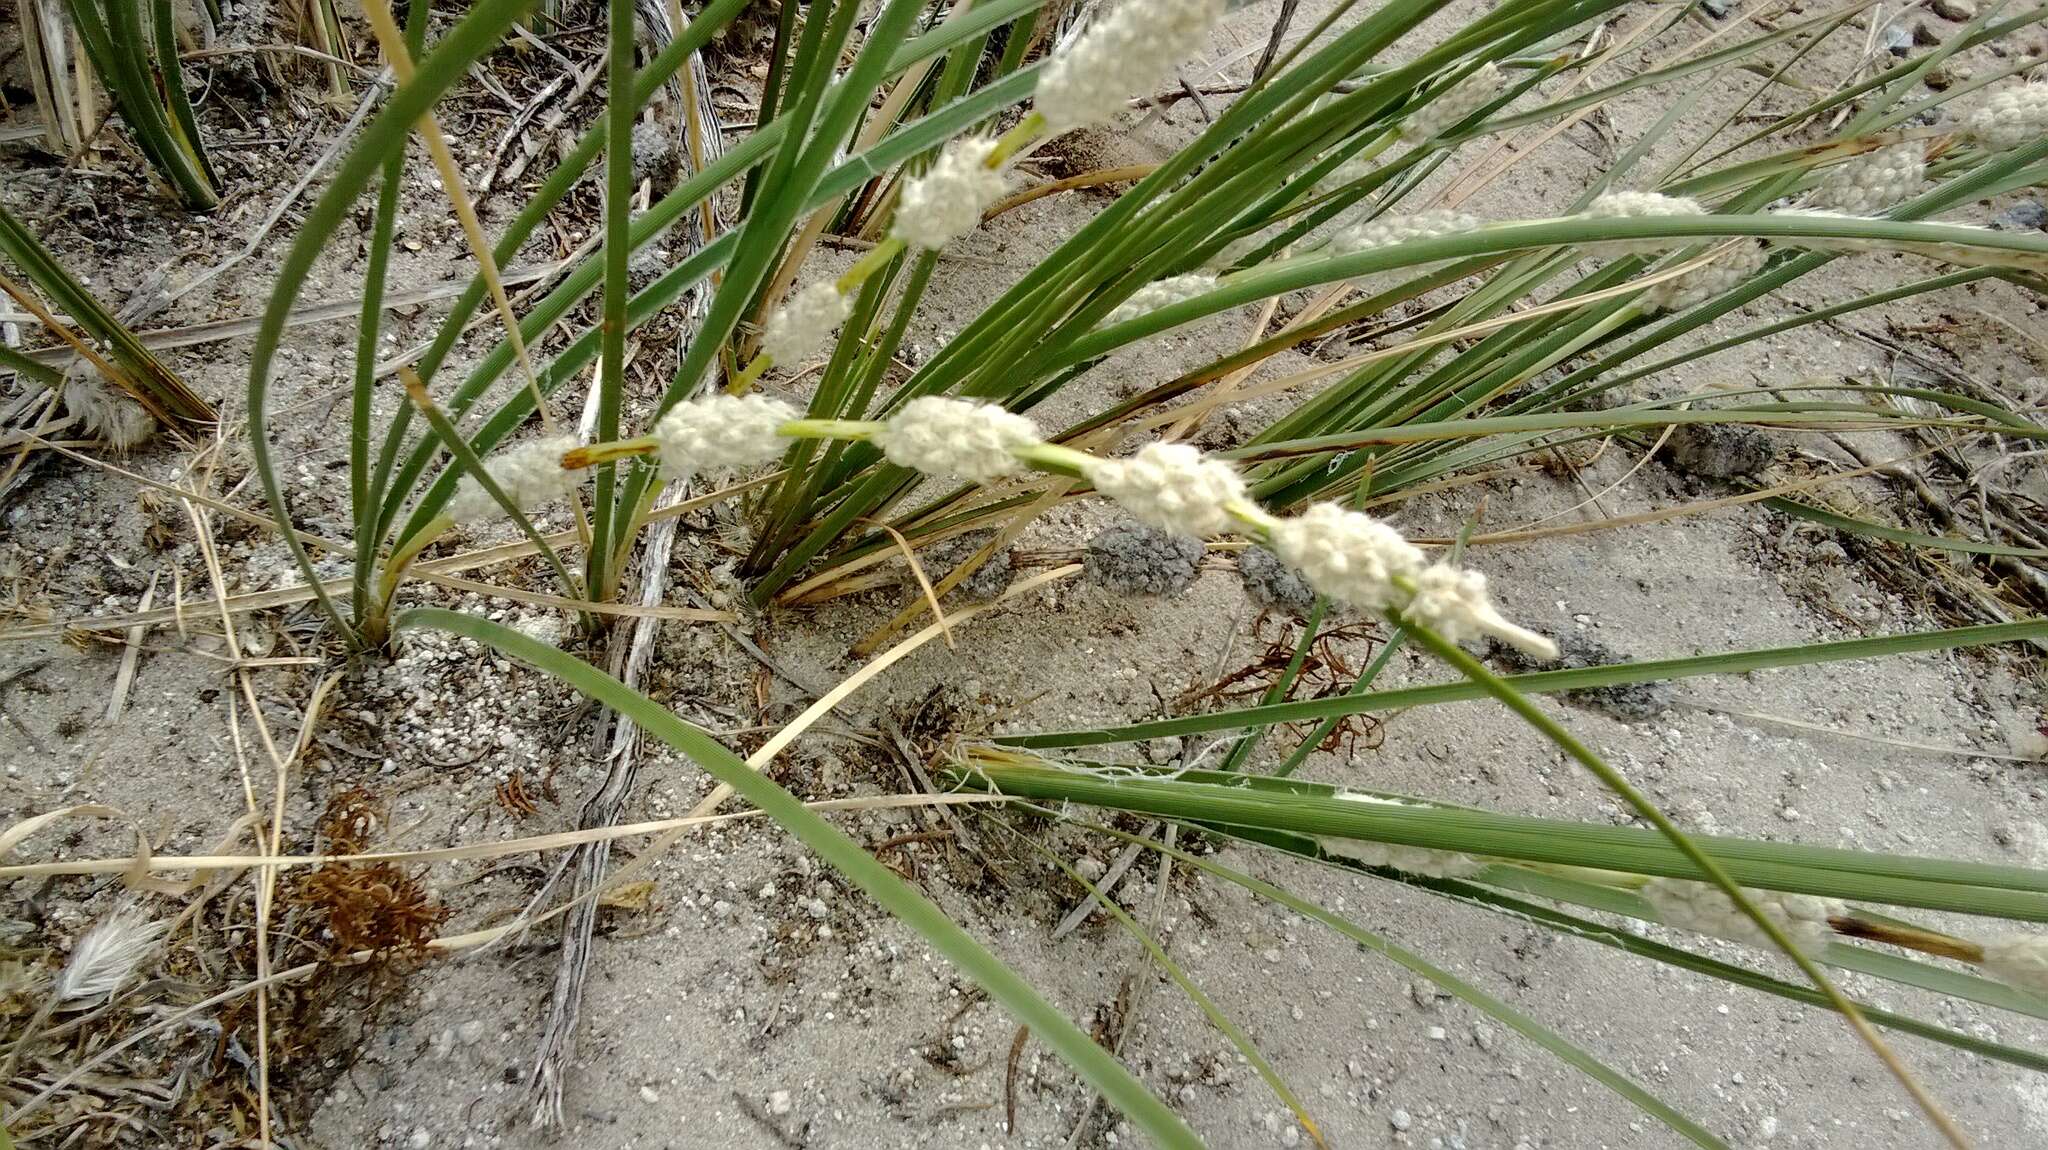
(373, 906)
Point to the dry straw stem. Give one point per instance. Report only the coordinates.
(843, 578)
(854, 682)
(1012, 525)
(1093, 178)
(61, 330)
(924, 583)
(1593, 498)
(203, 865)
(266, 886)
(1862, 737)
(1480, 177)
(1195, 413)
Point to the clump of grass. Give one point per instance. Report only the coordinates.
(1311, 180)
(133, 49)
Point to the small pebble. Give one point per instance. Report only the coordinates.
(1400, 1120)
(779, 1102)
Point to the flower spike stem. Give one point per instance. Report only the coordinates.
(1347, 555)
(1021, 135)
(875, 260)
(749, 375)
(849, 429)
(590, 455)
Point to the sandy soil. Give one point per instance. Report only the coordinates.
(749, 999)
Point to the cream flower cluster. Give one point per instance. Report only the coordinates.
(947, 202)
(1088, 81)
(803, 323)
(1233, 253)
(1171, 486)
(718, 431)
(1705, 909)
(1871, 183)
(1414, 860)
(1637, 205)
(530, 475)
(1623, 204)
(1355, 167)
(1388, 230)
(1452, 601)
(938, 435)
(2021, 961)
(1362, 562)
(1728, 269)
(1347, 555)
(1451, 107)
(2012, 117)
(1162, 293)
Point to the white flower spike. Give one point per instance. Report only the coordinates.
(718, 431)
(1454, 604)
(1872, 183)
(1613, 205)
(109, 954)
(1388, 230)
(2021, 960)
(1354, 168)
(946, 202)
(1089, 80)
(803, 323)
(1234, 252)
(2011, 117)
(1449, 108)
(1704, 909)
(1172, 487)
(1347, 555)
(1415, 860)
(937, 435)
(1161, 293)
(530, 474)
(1725, 273)
(1637, 205)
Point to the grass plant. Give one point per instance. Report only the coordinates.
(1335, 180)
